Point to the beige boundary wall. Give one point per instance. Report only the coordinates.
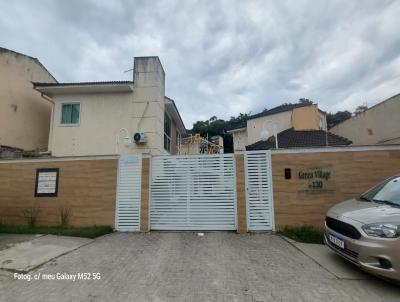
(87, 185)
(351, 170)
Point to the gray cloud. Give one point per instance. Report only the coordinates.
(220, 57)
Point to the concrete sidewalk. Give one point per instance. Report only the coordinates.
(332, 262)
(27, 255)
(9, 240)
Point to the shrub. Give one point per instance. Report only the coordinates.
(31, 215)
(305, 233)
(64, 216)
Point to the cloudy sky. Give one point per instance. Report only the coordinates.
(220, 57)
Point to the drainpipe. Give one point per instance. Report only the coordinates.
(326, 132)
(50, 143)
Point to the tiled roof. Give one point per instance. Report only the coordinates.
(300, 139)
(279, 109)
(37, 84)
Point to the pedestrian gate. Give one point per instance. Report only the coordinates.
(193, 192)
(128, 193)
(259, 198)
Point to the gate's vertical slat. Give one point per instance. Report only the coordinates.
(129, 193)
(203, 195)
(260, 212)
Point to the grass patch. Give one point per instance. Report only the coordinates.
(86, 232)
(305, 233)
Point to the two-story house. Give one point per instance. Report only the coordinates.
(295, 125)
(24, 116)
(124, 117)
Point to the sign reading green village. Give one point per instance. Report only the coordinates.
(316, 180)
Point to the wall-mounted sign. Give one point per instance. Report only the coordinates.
(316, 180)
(46, 182)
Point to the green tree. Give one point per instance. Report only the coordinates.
(305, 101)
(333, 119)
(360, 109)
(216, 126)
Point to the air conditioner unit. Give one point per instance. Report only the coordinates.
(139, 138)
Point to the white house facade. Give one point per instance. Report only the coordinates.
(94, 118)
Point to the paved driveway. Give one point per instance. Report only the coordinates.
(8, 240)
(186, 267)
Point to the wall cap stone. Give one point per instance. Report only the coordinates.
(58, 159)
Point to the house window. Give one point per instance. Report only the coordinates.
(167, 133)
(70, 114)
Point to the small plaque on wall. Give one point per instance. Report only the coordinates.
(316, 180)
(46, 182)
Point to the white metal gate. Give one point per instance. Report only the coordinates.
(259, 197)
(127, 217)
(193, 192)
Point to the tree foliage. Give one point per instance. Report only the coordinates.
(216, 126)
(305, 101)
(333, 119)
(360, 109)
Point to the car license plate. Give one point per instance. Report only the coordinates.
(336, 241)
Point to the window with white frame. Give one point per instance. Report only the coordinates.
(70, 113)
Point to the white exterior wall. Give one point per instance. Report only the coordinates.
(239, 140)
(103, 115)
(282, 121)
(24, 114)
(383, 120)
(322, 120)
(149, 104)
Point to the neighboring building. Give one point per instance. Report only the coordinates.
(218, 140)
(379, 124)
(90, 118)
(297, 125)
(195, 144)
(24, 116)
